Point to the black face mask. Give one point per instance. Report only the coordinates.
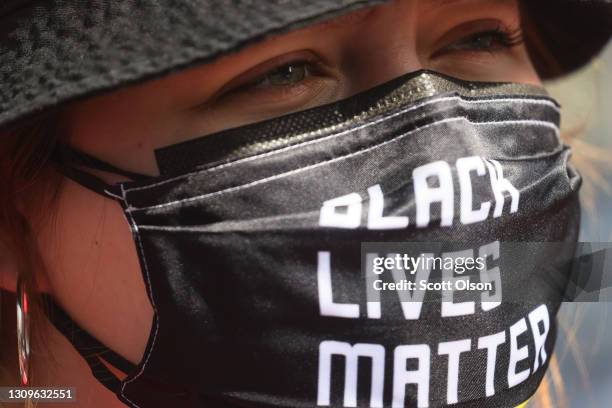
(250, 245)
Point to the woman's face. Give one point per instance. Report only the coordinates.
(91, 264)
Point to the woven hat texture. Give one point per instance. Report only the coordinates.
(52, 51)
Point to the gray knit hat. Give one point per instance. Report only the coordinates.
(52, 51)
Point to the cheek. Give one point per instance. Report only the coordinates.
(93, 270)
(527, 73)
(483, 66)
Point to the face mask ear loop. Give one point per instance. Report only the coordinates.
(87, 180)
(67, 159)
(89, 348)
(79, 158)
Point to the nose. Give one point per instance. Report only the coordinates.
(383, 46)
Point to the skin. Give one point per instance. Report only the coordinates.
(91, 266)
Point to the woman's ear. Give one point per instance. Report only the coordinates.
(9, 272)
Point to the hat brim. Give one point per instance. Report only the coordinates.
(56, 51)
(562, 36)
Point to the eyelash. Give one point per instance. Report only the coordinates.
(310, 67)
(510, 37)
(504, 38)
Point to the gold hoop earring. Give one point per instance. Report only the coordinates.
(23, 332)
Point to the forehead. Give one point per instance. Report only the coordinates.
(426, 16)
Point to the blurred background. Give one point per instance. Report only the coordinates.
(581, 375)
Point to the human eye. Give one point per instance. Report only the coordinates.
(489, 37)
(488, 41)
(288, 74)
(292, 78)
